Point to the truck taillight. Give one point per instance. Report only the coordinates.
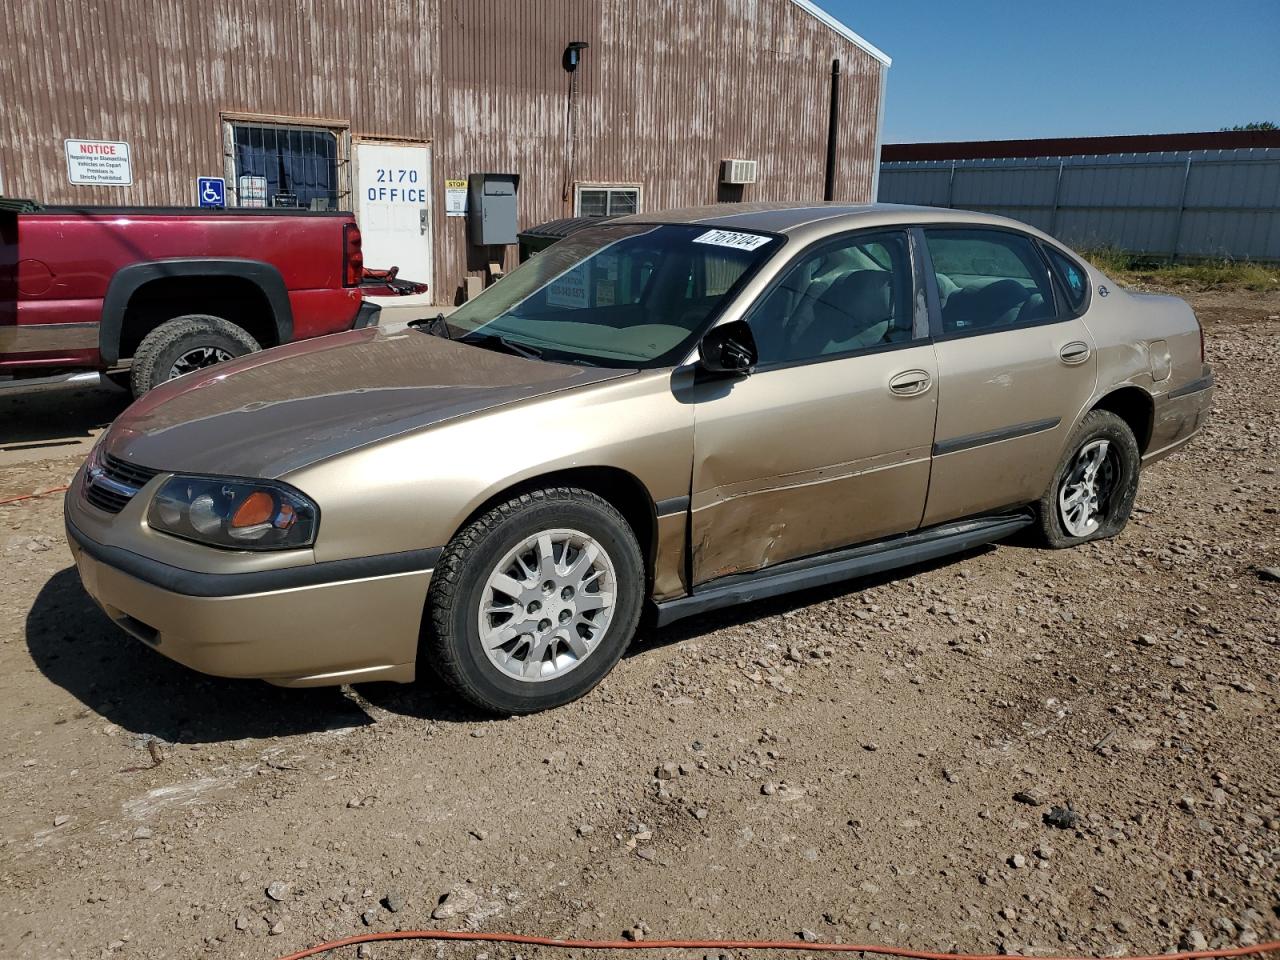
(352, 256)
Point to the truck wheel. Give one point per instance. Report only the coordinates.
(183, 345)
(1094, 487)
(534, 601)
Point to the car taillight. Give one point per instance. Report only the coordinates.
(1201, 326)
(352, 256)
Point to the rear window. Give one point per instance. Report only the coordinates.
(977, 254)
(989, 279)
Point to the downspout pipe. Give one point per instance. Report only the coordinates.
(833, 133)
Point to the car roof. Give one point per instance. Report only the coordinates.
(789, 218)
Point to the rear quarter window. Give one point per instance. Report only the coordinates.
(1074, 281)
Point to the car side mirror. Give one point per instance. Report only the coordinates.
(729, 349)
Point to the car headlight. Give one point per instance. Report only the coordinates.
(238, 514)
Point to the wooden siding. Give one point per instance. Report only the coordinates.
(666, 90)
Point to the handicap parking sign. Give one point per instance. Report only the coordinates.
(211, 191)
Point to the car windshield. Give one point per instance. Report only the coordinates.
(616, 295)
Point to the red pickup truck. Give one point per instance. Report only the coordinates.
(173, 289)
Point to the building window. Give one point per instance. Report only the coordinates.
(594, 200)
(285, 164)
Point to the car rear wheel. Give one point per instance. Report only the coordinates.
(1094, 487)
(534, 602)
(183, 345)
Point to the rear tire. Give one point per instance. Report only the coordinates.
(514, 633)
(185, 344)
(1095, 485)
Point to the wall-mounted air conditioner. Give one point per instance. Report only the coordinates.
(737, 171)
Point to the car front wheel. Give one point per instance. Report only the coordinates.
(1095, 485)
(534, 602)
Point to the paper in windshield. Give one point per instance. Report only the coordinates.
(730, 238)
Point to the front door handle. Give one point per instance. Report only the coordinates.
(1077, 351)
(910, 383)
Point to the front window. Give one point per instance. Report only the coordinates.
(852, 294)
(619, 295)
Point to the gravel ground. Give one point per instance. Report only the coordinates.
(873, 762)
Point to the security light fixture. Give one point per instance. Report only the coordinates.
(572, 54)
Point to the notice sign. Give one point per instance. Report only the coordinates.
(252, 191)
(455, 198)
(98, 163)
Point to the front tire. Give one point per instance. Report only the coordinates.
(535, 601)
(183, 345)
(1095, 485)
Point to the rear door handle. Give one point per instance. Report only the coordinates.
(910, 383)
(1077, 351)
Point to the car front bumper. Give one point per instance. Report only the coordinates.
(295, 633)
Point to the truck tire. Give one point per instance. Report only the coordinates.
(185, 344)
(534, 601)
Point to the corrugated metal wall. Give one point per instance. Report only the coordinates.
(666, 90)
(1207, 203)
(159, 73)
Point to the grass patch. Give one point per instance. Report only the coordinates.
(1132, 269)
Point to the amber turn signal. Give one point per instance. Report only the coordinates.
(257, 508)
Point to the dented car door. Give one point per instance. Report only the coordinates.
(827, 443)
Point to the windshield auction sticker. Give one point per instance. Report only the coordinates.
(728, 238)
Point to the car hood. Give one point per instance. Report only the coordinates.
(274, 412)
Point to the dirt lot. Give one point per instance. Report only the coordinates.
(841, 764)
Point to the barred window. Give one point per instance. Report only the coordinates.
(280, 165)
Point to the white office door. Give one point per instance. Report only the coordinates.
(395, 207)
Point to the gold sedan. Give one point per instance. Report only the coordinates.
(671, 413)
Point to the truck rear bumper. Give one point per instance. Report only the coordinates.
(367, 315)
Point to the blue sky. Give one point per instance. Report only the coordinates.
(996, 69)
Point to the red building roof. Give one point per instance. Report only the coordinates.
(1077, 146)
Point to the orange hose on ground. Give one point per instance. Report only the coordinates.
(32, 496)
(1261, 948)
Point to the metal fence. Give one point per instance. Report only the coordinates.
(1187, 204)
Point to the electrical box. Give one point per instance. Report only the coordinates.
(737, 171)
(491, 208)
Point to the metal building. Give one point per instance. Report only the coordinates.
(1166, 196)
(388, 106)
